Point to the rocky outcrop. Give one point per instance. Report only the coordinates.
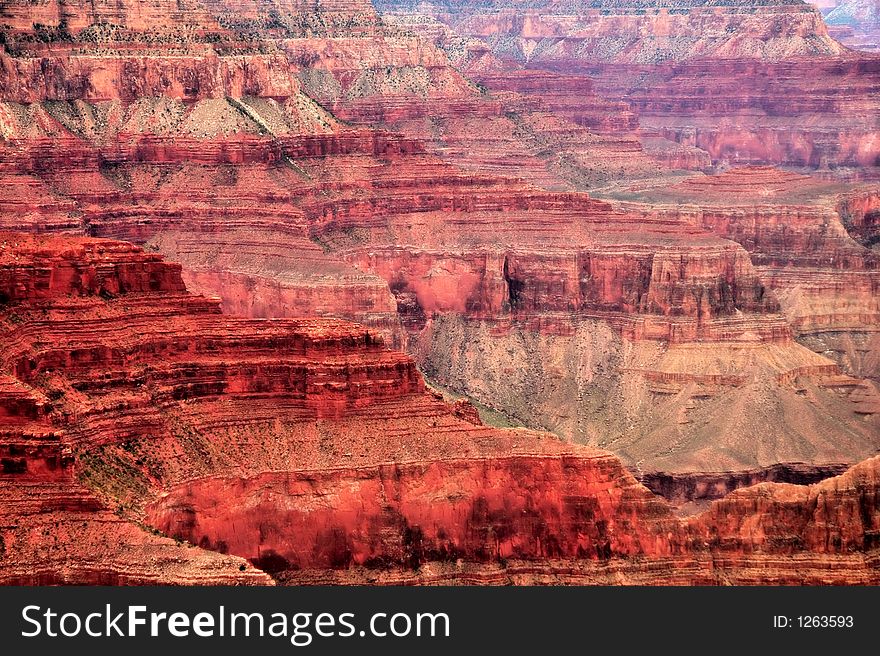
(75, 17)
(97, 300)
(838, 515)
(773, 533)
(855, 23)
(85, 543)
(404, 515)
(54, 530)
(657, 60)
(635, 32)
(807, 238)
(860, 212)
(68, 77)
(70, 17)
(514, 251)
(267, 275)
(309, 449)
(582, 138)
(696, 486)
(661, 295)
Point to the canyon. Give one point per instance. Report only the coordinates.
(443, 287)
(746, 82)
(312, 451)
(855, 23)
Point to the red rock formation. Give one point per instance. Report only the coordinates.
(836, 516)
(50, 267)
(84, 541)
(659, 59)
(773, 533)
(491, 509)
(98, 298)
(800, 234)
(582, 139)
(860, 213)
(304, 445)
(224, 138)
(629, 32)
(129, 77)
(75, 16)
(683, 295)
(268, 275)
(123, 189)
(690, 487)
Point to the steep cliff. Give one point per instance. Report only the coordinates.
(705, 75)
(635, 32)
(773, 533)
(809, 238)
(836, 516)
(309, 449)
(258, 151)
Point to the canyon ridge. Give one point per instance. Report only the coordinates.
(439, 292)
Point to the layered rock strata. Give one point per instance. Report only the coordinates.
(808, 238)
(223, 158)
(53, 529)
(635, 32)
(746, 82)
(309, 449)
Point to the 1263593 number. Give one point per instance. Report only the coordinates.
(825, 621)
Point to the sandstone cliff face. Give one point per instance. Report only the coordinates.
(129, 77)
(807, 238)
(773, 533)
(262, 276)
(519, 506)
(523, 312)
(55, 530)
(657, 60)
(76, 15)
(467, 223)
(516, 128)
(838, 515)
(631, 32)
(174, 49)
(314, 452)
(72, 17)
(61, 401)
